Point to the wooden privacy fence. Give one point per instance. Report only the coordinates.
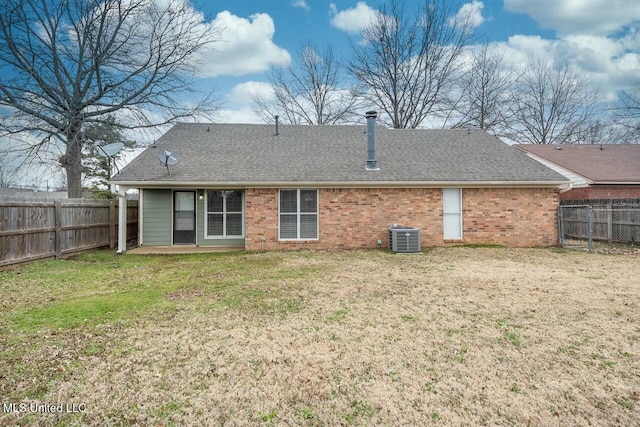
(31, 230)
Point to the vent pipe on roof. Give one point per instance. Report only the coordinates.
(277, 130)
(372, 161)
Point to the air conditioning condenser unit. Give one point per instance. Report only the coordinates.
(404, 239)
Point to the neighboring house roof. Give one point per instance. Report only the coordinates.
(31, 194)
(598, 164)
(324, 155)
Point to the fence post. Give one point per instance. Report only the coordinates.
(112, 224)
(560, 227)
(610, 222)
(590, 227)
(57, 207)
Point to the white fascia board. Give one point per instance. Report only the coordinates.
(576, 180)
(349, 184)
(616, 183)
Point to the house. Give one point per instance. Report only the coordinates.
(33, 194)
(596, 172)
(298, 186)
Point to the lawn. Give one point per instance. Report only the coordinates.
(458, 336)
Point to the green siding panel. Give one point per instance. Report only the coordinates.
(201, 218)
(157, 210)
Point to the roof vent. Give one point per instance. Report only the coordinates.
(277, 129)
(372, 161)
(404, 239)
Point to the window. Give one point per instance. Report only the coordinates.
(224, 213)
(452, 209)
(298, 214)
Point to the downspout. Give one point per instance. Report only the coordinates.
(122, 217)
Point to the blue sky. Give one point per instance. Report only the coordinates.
(600, 37)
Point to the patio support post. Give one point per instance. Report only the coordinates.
(121, 192)
(122, 225)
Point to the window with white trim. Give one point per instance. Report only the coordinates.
(452, 212)
(298, 214)
(224, 213)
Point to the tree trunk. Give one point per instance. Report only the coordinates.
(72, 162)
(74, 181)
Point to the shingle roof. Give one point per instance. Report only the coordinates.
(244, 153)
(609, 163)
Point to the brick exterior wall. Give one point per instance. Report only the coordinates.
(358, 217)
(599, 192)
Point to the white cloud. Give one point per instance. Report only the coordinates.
(523, 47)
(601, 38)
(301, 4)
(239, 115)
(243, 93)
(238, 103)
(599, 17)
(473, 12)
(352, 20)
(592, 53)
(605, 61)
(246, 47)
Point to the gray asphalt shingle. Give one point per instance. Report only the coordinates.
(244, 153)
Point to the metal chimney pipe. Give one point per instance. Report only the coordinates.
(372, 161)
(277, 131)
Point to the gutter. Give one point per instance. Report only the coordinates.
(343, 184)
(615, 183)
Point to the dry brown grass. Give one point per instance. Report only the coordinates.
(461, 336)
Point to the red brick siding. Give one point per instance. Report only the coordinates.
(358, 217)
(603, 192)
(510, 216)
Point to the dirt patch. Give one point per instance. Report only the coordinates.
(460, 336)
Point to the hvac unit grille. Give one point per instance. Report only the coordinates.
(404, 239)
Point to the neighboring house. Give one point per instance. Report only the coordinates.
(32, 194)
(260, 187)
(608, 171)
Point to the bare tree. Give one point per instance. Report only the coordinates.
(308, 91)
(71, 63)
(485, 91)
(626, 115)
(553, 104)
(407, 60)
(7, 178)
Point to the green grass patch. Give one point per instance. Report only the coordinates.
(268, 417)
(511, 331)
(337, 316)
(94, 287)
(359, 409)
(88, 311)
(306, 413)
(408, 318)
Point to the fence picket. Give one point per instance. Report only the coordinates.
(32, 230)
